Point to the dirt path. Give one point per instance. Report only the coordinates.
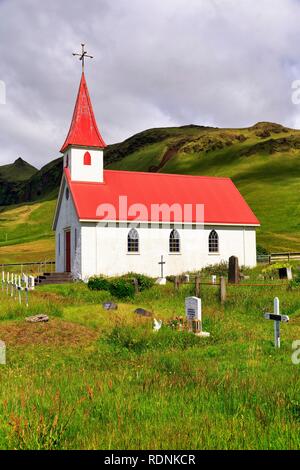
(169, 153)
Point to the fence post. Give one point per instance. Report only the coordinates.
(222, 290)
(197, 286)
(176, 283)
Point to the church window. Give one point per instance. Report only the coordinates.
(67, 161)
(67, 194)
(213, 242)
(174, 242)
(59, 244)
(87, 160)
(133, 241)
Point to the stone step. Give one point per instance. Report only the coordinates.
(53, 278)
(53, 281)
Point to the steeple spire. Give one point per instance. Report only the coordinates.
(83, 131)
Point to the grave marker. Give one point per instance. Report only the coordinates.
(277, 318)
(285, 273)
(193, 311)
(161, 280)
(233, 270)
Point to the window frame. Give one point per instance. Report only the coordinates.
(213, 242)
(133, 243)
(87, 159)
(174, 242)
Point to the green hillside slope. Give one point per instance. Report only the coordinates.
(263, 161)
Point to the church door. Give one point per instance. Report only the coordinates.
(68, 251)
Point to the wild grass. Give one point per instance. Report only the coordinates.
(96, 379)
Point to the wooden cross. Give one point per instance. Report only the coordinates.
(277, 318)
(162, 262)
(82, 56)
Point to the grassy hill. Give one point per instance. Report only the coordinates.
(263, 161)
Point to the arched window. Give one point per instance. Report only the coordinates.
(87, 160)
(213, 242)
(133, 241)
(174, 242)
(67, 161)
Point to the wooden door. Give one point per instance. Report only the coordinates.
(68, 251)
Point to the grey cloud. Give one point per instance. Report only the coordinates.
(157, 63)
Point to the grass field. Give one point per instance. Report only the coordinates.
(26, 233)
(93, 379)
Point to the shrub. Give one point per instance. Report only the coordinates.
(220, 269)
(98, 283)
(144, 282)
(121, 288)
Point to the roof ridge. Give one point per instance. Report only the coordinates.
(169, 174)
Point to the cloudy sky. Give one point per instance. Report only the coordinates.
(157, 63)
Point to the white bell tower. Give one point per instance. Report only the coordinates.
(84, 164)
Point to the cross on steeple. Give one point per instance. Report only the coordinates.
(82, 56)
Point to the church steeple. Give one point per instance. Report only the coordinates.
(83, 147)
(83, 131)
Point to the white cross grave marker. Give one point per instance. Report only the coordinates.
(277, 318)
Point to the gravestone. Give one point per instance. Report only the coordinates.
(110, 306)
(143, 312)
(214, 279)
(285, 273)
(193, 311)
(233, 270)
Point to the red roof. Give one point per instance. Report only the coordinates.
(223, 204)
(83, 130)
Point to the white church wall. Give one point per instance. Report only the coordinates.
(104, 249)
(67, 219)
(81, 172)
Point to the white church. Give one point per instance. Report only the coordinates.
(114, 222)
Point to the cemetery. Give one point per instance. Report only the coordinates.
(194, 359)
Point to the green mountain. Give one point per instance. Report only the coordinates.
(17, 171)
(262, 160)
